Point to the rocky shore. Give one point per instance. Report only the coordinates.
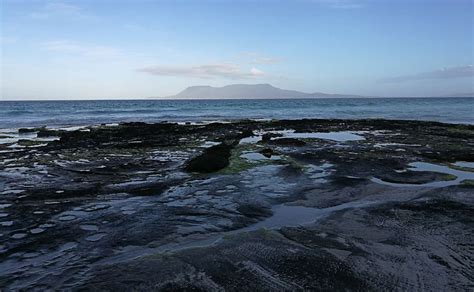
(239, 206)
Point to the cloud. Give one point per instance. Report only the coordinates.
(55, 9)
(446, 73)
(222, 70)
(85, 50)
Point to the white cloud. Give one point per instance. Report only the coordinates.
(223, 70)
(86, 50)
(255, 72)
(55, 9)
(446, 73)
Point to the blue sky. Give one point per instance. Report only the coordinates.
(136, 49)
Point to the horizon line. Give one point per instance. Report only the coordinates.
(243, 98)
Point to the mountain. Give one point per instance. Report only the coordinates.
(468, 94)
(248, 91)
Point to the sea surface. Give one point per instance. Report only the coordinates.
(14, 114)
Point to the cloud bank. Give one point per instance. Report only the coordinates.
(223, 70)
(446, 73)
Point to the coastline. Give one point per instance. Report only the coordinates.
(285, 204)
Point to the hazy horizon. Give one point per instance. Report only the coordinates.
(141, 49)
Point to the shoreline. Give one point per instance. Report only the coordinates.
(286, 204)
(200, 121)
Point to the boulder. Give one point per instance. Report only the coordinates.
(212, 159)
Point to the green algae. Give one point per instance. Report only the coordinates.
(448, 177)
(467, 183)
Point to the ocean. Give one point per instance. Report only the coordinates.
(14, 114)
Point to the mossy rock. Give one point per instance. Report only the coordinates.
(468, 183)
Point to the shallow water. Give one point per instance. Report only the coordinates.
(341, 136)
(425, 166)
(464, 164)
(255, 156)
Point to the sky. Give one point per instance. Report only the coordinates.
(113, 49)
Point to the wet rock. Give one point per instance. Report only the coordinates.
(268, 136)
(87, 182)
(212, 159)
(96, 237)
(267, 152)
(246, 133)
(254, 210)
(26, 130)
(287, 142)
(440, 207)
(414, 177)
(44, 132)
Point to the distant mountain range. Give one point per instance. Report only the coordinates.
(263, 91)
(249, 91)
(465, 94)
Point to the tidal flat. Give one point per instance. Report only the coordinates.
(313, 204)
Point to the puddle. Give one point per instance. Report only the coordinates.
(18, 235)
(95, 237)
(464, 164)
(89, 227)
(250, 140)
(208, 144)
(37, 230)
(318, 173)
(67, 218)
(6, 223)
(293, 216)
(380, 145)
(255, 156)
(342, 136)
(425, 166)
(283, 216)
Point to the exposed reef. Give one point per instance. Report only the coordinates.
(244, 205)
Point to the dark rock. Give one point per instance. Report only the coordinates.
(287, 142)
(247, 133)
(267, 152)
(414, 177)
(212, 159)
(43, 132)
(26, 130)
(254, 210)
(268, 136)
